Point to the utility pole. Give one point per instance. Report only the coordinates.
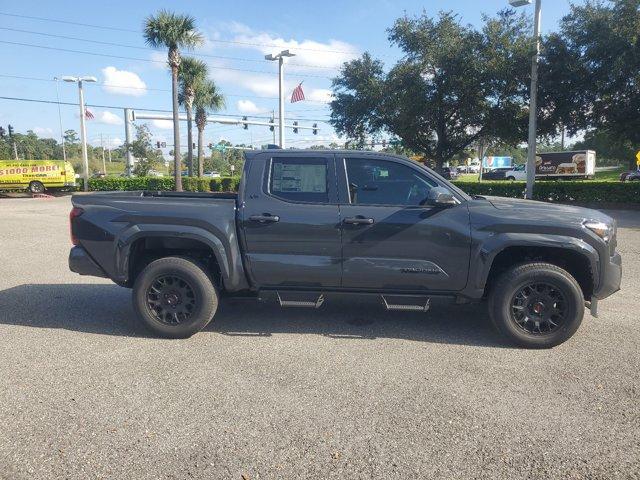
(64, 150)
(83, 128)
(15, 150)
(104, 166)
(280, 58)
(109, 146)
(128, 140)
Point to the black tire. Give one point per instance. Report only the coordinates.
(513, 179)
(520, 304)
(36, 187)
(174, 297)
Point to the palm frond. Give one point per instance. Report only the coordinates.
(171, 30)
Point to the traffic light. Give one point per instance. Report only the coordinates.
(2, 132)
(210, 146)
(10, 130)
(384, 143)
(315, 128)
(157, 144)
(193, 145)
(272, 121)
(295, 127)
(245, 125)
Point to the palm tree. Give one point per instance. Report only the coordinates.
(190, 74)
(207, 99)
(172, 31)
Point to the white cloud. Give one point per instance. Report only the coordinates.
(331, 54)
(319, 95)
(109, 118)
(163, 124)
(247, 106)
(43, 131)
(123, 82)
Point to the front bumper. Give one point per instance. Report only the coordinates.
(611, 277)
(80, 262)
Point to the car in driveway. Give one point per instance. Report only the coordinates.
(450, 173)
(307, 225)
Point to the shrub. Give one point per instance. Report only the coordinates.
(561, 191)
(204, 184)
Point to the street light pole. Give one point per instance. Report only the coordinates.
(83, 129)
(533, 104)
(280, 57)
(533, 98)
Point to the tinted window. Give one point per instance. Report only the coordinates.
(379, 182)
(299, 179)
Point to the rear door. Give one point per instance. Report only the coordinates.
(290, 221)
(391, 241)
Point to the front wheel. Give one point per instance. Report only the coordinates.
(174, 297)
(36, 187)
(513, 179)
(536, 305)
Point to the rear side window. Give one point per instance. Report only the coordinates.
(299, 179)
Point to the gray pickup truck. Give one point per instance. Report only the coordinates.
(306, 225)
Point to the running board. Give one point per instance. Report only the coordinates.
(406, 303)
(300, 301)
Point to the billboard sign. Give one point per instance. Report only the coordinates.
(489, 163)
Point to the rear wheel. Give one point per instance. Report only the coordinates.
(36, 187)
(174, 297)
(536, 305)
(511, 178)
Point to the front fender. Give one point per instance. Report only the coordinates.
(487, 250)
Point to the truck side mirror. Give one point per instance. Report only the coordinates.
(440, 196)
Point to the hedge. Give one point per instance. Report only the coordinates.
(590, 192)
(204, 184)
(561, 191)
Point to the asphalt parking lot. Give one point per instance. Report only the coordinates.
(348, 391)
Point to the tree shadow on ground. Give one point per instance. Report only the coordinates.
(106, 309)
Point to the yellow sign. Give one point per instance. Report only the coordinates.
(638, 158)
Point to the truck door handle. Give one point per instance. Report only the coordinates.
(264, 218)
(358, 221)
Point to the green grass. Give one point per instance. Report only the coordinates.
(607, 176)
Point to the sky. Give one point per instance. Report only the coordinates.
(238, 35)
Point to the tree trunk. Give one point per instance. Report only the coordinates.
(177, 160)
(189, 137)
(200, 151)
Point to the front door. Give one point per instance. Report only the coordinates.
(291, 223)
(391, 240)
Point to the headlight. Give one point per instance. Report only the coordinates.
(603, 230)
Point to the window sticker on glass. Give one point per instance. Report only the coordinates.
(299, 178)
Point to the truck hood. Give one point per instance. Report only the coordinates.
(546, 212)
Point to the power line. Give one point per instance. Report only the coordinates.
(55, 102)
(41, 79)
(113, 44)
(123, 57)
(233, 42)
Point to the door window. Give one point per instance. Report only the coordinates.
(379, 182)
(299, 179)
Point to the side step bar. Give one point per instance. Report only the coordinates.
(406, 303)
(300, 301)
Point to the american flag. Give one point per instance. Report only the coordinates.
(88, 115)
(298, 94)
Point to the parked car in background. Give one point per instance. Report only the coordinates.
(36, 175)
(632, 176)
(495, 174)
(449, 173)
(99, 175)
(211, 174)
(308, 224)
(155, 173)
